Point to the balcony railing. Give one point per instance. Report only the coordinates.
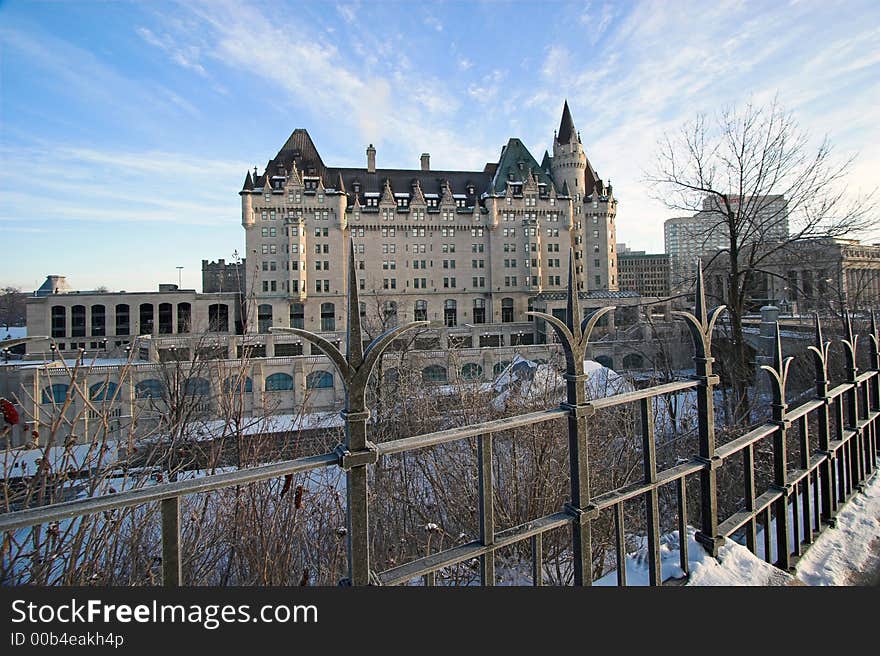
(800, 501)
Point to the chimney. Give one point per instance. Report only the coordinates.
(426, 161)
(371, 159)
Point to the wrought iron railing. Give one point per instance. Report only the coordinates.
(803, 498)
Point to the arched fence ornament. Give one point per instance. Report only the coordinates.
(357, 452)
(574, 335)
(701, 323)
(778, 374)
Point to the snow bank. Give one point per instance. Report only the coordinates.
(849, 553)
(527, 380)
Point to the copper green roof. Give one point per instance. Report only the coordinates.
(515, 163)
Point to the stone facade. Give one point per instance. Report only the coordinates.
(452, 247)
(108, 321)
(220, 276)
(824, 275)
(645, 273)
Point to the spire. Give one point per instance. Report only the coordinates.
(545, 163)
(248, 182)
(566, 126)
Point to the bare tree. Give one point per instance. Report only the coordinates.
(12, 307)
(732, 169)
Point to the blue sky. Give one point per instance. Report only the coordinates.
(126, 128)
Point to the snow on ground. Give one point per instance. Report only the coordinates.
(526, 379)
(849, 553)
(25, 462)
(735, 565)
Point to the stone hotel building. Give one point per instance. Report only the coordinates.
(452, 247)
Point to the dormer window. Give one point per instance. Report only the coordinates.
(357, 187)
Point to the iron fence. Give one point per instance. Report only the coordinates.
(802, 499)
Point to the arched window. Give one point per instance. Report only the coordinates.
(146, 318)
(421, 311)
(506, 310)
(319, 380)
(434, 374)
(99, 321)
(184, 317)
(218, 318)
(479, 310)
(450, 313)
(390, 311)
(150, 389)
(264, 318)
(123, 319)
(78, 321)
(59, 321)
(499, 367)
(328, 316)
(471, 371)
(633, 361)
(103, 391)
(165, 319)
(236, 384)
(279, 382)
(197, 387)
(297, 315)
(56, 393)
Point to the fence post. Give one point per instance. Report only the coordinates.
(172, 575)
(574, 336)
(357, 453)
(854, 443)
(874, 395)
(701, 324)
(826, 468)
(778, 376)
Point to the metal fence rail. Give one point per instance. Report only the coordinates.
(803, 498)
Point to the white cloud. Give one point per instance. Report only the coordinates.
(348, 12)
(433, 22)
(186, 57)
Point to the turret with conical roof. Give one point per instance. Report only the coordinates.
(569, 160)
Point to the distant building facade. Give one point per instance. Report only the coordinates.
(645, 273)
(104, 321)
(690, 237)
(813, 275)
(220, 276)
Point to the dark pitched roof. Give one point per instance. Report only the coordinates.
(566, 127)
(299, 149)
(403, 180)
(545, 162)
(248, 182)
(515, 163)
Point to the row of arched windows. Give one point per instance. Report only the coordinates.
(218, 319)
(389, 310)
(153, 388)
